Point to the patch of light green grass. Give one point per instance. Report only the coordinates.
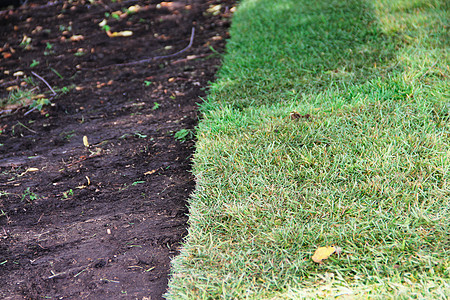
(368, 169)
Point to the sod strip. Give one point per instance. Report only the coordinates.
(328, 126)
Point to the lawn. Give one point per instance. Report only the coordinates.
(328, 126)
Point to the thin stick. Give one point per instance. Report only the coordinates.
(80, 272)
(54, 93)
(26, 127)
(191, 41)
(56, 275)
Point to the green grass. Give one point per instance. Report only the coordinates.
(368, 171)
(17, 97)
(23, 96)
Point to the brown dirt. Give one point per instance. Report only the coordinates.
(100, 222)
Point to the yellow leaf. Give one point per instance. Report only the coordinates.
(214, 9)
(323, 253)
(12, 88)
(134, 8)
(85, 141)
(121, 33)
(40, 96)
(150, 172)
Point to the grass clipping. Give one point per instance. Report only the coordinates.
(367, 169)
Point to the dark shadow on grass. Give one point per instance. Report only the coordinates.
(319, 50)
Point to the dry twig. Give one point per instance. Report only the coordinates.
(146, 60)
(46, 83)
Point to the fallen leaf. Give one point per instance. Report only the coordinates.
(134, 8)
(119, 33)
(323, 253)
(85, 141)
(165, 4)
(37, 29)
(24, 102)
(190, 57)
(12, 88)
(295, 115)
(118, 13)
(214, 9)
(40, 96)
(76, 38)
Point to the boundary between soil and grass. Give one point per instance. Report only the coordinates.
(328, 126)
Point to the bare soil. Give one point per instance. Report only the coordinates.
(102, 219)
